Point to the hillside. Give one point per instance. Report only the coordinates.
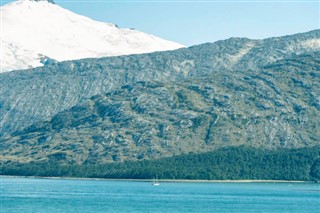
(36, 95)
(276, 106)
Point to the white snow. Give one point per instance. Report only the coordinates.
(31, 29)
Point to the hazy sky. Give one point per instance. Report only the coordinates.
(195, 22)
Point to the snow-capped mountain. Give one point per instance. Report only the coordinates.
(35, 32)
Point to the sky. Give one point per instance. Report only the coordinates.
(196, 22)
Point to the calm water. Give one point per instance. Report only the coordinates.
(46, 195)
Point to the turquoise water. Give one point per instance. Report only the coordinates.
(48, 195)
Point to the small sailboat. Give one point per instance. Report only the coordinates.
(156, 182)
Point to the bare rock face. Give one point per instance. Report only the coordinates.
(161, 104)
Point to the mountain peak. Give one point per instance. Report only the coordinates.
(82, 37)
(49, 1)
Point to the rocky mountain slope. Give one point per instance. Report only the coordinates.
(148, 115)
(37, 33)
(34, 95)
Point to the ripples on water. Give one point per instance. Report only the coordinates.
(55, 195)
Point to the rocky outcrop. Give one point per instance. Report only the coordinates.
(276, 106)
(31, 96)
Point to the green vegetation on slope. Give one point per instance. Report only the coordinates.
(225, 164)
(273, 107)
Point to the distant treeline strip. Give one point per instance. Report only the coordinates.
(231, 163)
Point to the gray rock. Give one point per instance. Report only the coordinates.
(261, 93)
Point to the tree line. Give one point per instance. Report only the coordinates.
(232, 163)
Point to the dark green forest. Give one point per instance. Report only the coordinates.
(232, 163)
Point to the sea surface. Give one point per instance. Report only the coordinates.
(60, 195)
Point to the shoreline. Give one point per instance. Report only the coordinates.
(161, 180)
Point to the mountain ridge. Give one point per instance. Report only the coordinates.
(273, 107)
(239, 91)
(71, 82)
(50, 1)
